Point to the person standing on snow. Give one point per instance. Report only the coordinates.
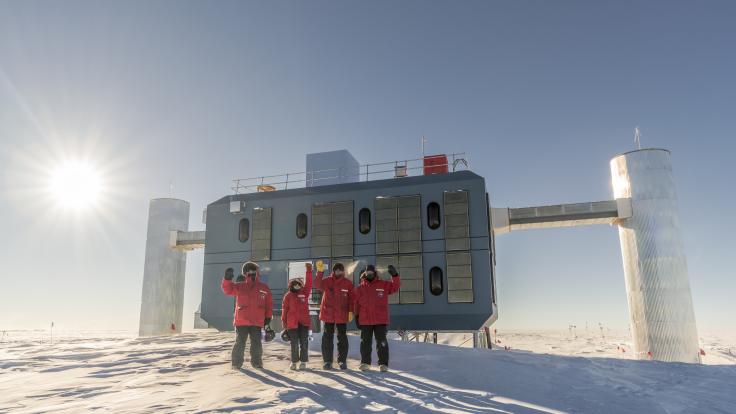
(371, 314)
(296, 319)
(253, 311)
(336, 310)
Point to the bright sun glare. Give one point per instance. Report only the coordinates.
(75, 185)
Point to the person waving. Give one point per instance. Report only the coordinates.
(372, 315)
(336, 310)
(253, 311)
(296, 320)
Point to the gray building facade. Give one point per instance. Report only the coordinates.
(435, 229)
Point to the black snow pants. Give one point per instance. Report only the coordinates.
(367, 332)
(256, 350)
(328, 340)
(299, 338)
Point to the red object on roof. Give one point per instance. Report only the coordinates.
(435, 164)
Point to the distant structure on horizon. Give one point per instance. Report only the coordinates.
(433, 220)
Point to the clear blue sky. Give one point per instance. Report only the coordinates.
(539, 94)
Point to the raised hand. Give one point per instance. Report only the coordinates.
(392, 270)
(229, 274)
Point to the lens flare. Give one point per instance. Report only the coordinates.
(75, 185)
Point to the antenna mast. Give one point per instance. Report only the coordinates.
(637, 137)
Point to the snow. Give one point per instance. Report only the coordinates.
(116, 371)
(719, 348)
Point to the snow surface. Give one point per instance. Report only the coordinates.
(84, 371)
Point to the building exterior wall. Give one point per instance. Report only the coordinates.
(162, 300)
(333, 167)
(657, 283)
(223, 249)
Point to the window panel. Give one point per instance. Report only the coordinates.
(261, 237)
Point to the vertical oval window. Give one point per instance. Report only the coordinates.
(435, 281)
(433, 215)
(244, 230)
(301, 226)
(364, 221)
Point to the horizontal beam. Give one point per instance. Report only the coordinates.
(560, 215)
(186, 240)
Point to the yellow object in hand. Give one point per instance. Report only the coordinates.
(320, 266)
(350, 316)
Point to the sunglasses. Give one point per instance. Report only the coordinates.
(250, 273)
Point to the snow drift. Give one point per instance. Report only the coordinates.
(190, 373)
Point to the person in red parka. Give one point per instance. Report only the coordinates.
(371, 314)
(336, 310)
(296, 319)
(253, 311)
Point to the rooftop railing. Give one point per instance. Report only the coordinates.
(366, 172)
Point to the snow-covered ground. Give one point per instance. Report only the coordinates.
(118, 372)
(719, 348)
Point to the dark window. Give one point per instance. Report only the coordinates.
(364, 221)
(244, 230)
(301, 226)
(433, 215)
(435, 281)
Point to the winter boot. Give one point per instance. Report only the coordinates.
(364, 367)
(383, 368)
(303, 365)
(293, 366)
(327, 366)
(343, 366)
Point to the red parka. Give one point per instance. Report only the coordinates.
(338, 298)
(253, 301)
(295, 306)
(371, 300)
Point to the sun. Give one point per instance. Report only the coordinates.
(75, 185)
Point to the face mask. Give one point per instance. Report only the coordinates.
(370, 275)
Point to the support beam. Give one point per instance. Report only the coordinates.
(186, 240)
(560, 215)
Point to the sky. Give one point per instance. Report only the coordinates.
(177, 98)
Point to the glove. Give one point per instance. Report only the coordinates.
(267, 323)
(285, 336)
(357, 322)
(350, 316)
(308, 266)
(392, 270)
(270, 334)
(320, 266)
(240, 278)
(229, 273)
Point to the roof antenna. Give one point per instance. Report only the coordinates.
(424, 141)
(637, 137)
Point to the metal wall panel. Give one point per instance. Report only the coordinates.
(459, 277)
(261, 234)
(412, 280)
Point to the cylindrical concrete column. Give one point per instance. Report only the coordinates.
(657, 284)
(162, 301)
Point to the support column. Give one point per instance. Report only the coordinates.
(162, 300)
(655, 270)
